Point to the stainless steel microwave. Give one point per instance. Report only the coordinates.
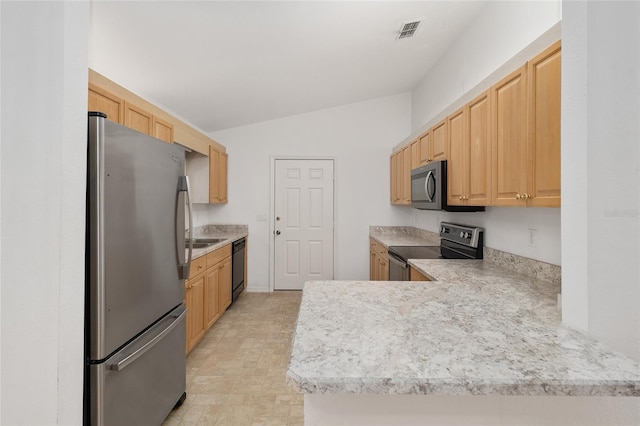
(429, 189)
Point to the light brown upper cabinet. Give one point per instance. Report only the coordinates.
(434, 144)
(458, 163)
(439, 141)
(544, 125)
(509, 128)
(393, 193)
(217, 176)
(108, 103)
(162, 129)
(526, 140)
(425, 148)
(137, 118)
(397, 177)
(415, 154)
(503, 147)
(406, 175)
(469, 164)
(478, 191)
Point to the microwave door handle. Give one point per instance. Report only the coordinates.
(426, 186)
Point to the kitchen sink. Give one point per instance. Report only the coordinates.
(199, 243)
(208, 240)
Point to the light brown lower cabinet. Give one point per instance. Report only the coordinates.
(415, 275)
(379, 261)
(207, 293)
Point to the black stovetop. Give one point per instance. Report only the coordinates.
(416, 252)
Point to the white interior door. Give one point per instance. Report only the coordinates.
(303, 222)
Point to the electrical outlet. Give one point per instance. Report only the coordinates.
(532, 237)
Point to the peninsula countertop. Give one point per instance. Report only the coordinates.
(478, 330)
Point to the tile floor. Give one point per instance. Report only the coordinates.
(236, 374)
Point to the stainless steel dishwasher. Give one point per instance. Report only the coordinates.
(237, 276)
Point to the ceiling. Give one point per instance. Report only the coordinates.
(223, 64)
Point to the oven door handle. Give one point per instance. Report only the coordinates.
(397, 260)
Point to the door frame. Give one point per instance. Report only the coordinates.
(272, 211)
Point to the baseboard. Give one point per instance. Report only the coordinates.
(258, 288)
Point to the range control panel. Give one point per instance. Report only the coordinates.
(462, 234)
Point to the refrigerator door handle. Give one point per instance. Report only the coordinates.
(123, 363)
(183, 186)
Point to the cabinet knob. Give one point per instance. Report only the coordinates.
(518, 196)
(461, 198)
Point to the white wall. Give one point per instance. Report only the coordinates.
(498, 33)
(601, 171)
(503, 36)
(43, 112)
(469, 410)
(358, 135)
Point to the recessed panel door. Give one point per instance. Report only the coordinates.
(303, 227)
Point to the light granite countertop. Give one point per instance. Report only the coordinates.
(403, 236)
(478, 330)
(229, 233)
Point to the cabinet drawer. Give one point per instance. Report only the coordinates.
(198, 266)
(218, 255)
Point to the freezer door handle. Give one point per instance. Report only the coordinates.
(123, 363)
(184, 268)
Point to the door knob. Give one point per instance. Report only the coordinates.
(277, 232)
(277, 217)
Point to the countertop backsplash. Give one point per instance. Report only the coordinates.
(207, 230)
(409, 235)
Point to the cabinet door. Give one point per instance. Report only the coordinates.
(509, 130)
(194, 298)
(393, 195)
(425, 148)
(415, 154)
(439, 140)
(479, 139)
(415, 275)
(406, 175)
(373, 261)
(224, 284)
(384, 268)
(223, 176)
(217, 176)
(103, 101)
(544, 122)
(162, 130)
(399, 182)
(138, 119)
(458, 162)
(211, 305)
(214, 176)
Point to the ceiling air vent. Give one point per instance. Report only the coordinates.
(408, 29)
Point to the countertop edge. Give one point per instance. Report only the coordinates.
(229, 238)
(390, 386)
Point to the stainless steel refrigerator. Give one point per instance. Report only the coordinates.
(137, 191)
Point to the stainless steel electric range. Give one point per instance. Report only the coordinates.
(456, 242)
